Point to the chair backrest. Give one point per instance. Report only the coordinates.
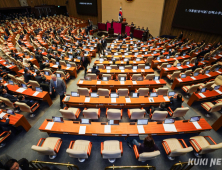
(197, 70)
(23, 107)
(175, 63)
(159, 115)
(135, 76)
(53, 60)
(192, 61)
(48, 70)
(205, 69)
(7, 102)
(12, 78)
(209, 84)
(150, 76)
(90, 114)
(128, 67)
(114, 114)
(217, 107)
(61, 73)
(180, 112)
(141, 66)
(175, 74)
(214, 67)
(218, 80)
(43, 150)
(163, 65)
(143, 91)
(210, 148)
(100, 66)
(137, 113)
(162, 91)
(184, 62)
(122, 75)
(114, 66)
(149, 59)
(20, 81)
(188, 72)
(73, 64)
(67, 114)
(193, 88)
(34, 84)
(109, 76)
(103, 92)
(123, 92)
(148, 155)
(62, 63)
(83, 91)
(93, 76)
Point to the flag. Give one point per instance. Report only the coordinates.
(120, 13)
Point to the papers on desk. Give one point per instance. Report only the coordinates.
(80, 81)
(87, 99)
(134, 61)
(110, 62)
(2, 115)
(8, 66)
(108, 71)
(134, 82)
(150, 99)
(202, 95)
(218, 91)
(6, 84)
(36, 93)
(179, 67)
(208, 75)
(180, 80)
(165, 68)
(140, 129)
(169, 128)
(98, 82)
(142, 70)
(121, 62)
(122, 70)
(157, 81)
(107, 129)
(166, 98)
(220, 55)
(122, 82)
(82, 129)
(101, 62)
(182, 56)
(113, 100)
(134, 70)
(49, 125)
(193, 78)
(165, 59)
(20, 90)
(123, 57)
(214, 58)
(68, 68)
(188, 66)
(219, 72)
(128, 100)
(196, 124)
(55, 66)
(89, 70)
(159, 60)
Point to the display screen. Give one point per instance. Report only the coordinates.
(199, 15)
(86, 7)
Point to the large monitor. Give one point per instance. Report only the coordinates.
(86, 7)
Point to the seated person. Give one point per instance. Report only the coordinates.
(162, 107)
(47, 66)
(59, 69)
(148, 145)
(63, 59)
(12, 98)
(45, 85)
(22, 164)
(94, 70)
(31, 67)
(2, 86)
(138, 27)
(27, 76)
(132, 24)
(5, 126)
(22, 99)
(39, 77)
(176, 102)
(142, 29)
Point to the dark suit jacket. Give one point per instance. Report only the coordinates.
(174, 103)
(28, 101)
(27, 77)
(95, 71)
(10, 97)
(104, 43)
(60, 88)
(39, 78)
(85, 62)
(158, 109)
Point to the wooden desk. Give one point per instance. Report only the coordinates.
(71, 70)
(113, 85)
(103, 102)
(18, 120)
(123, 129)
(106, 63)
(155, 63)
(209, 95)
(29, 92)
(199, 79)
(10, 67)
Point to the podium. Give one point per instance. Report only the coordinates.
(111, 31)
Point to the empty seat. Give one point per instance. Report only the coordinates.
(174, 147)
(207, 85)
(62, 63)
(111, 149)
(114, 114)
(161, 91)
(179, 112)
(92, 76)
(187, 72)
(100, 66)
(141, 66)
(121, 75)
(190, 89)
(205, 69)
(70, 113)
(149, 59)
(83, 91)
(103, 92)
(3, 136)
(217, 81)
(163, 65)
(136, 76)
(142, 91)
(210, 107)
(66, 76)
(48, 146)
(214, 67)
(80, 149)
(25, 108)
(114, 67)
(109, 76)
(158, 115)
(48, 70)
(128, 67)
(91, 113)
(123, 92)
(136, 113)
(176, 74)
(202, 146)
(150, 76)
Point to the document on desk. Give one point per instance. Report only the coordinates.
(219, 72)
(197, 125)
(6, 84)
(134, 70)
(36, 93)
(82, 130)
(166, 98)
(87, 99)
(165, 68)
(157, 81)
(218, 91)
(107, 129)
(180, 80)
(150, 99)
(140, 129)
(208, 75)
(89, 70)
(134, 82)
(113, 100)
(122, 82)
(8, 66)
(179, 67)
(2, 115)
(122, 70)
(128, 100)
(134, 61)
(68, 68)
(188, 66)
(20, 90)
(169, 128)
(202, 95)
(142, 70)
(98, 82)
(55, 66)
(49, 125)
(80, 81)
(193, 78)
(108, 71)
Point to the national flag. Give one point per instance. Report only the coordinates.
(120, 13)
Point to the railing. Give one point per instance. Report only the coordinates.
(40, 164)
(182, 166)
(131, 167)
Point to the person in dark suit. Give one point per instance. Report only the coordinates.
(2, 86)
(20, 42)
(131, 35)
(39, 78)
(104, 44)
(28, 101)
(60, 69)
(7, 31)
(176, 102)
(119, 36)
(59, 86)
(180, 36)
(85, 61)
(162, 107)
(22, 164)
(94, 70)
(99, 48)
(132, 24)
(45, 86)
(5, 126)
(195, 65)
(27, 76)
(4, 94)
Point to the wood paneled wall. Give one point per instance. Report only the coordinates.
(167, 29)
(9, 3)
